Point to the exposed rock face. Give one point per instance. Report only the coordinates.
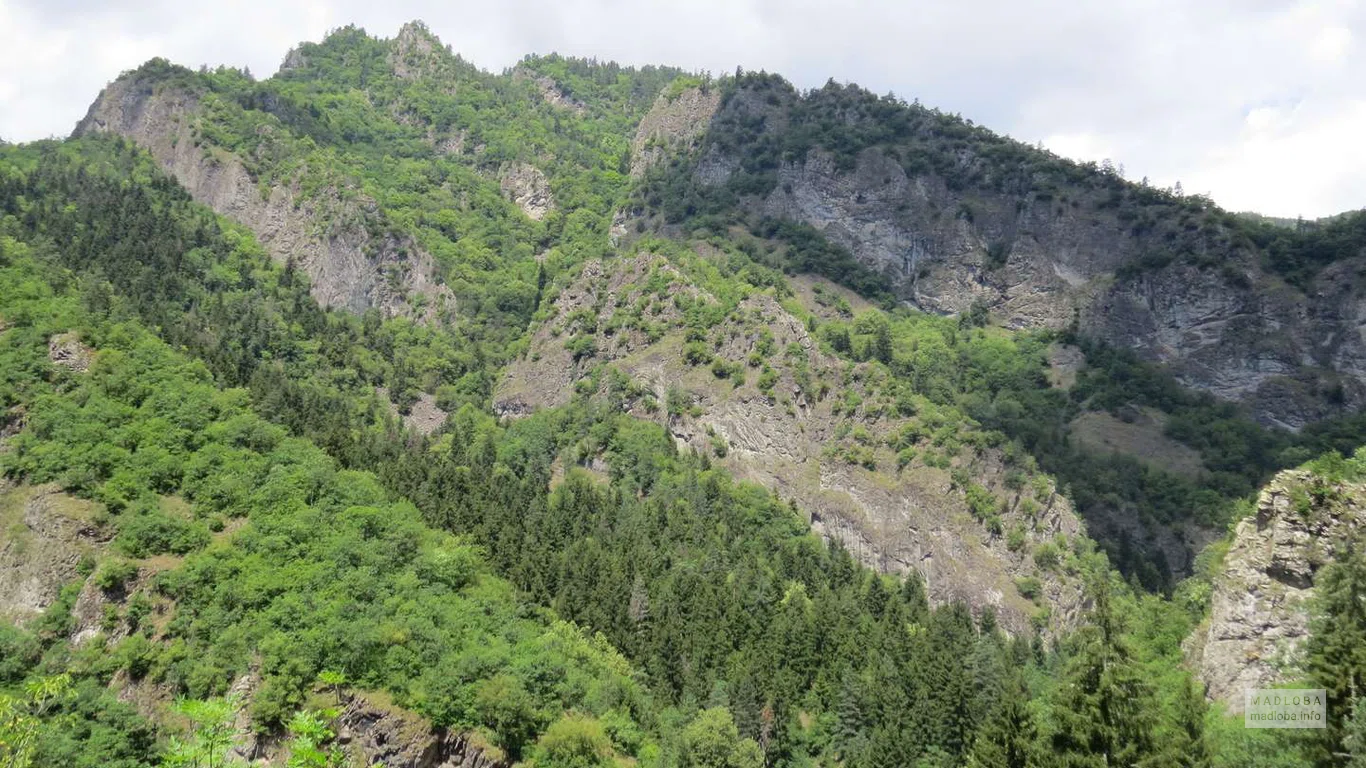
(1235, 331)
(671, 124)
(1252, 339)
(550, 90)
(424, 417)
(66, 350)
(893, 519)
(1259, 611)
(44, 534)
(413, 51)
(526, 186)
(377, 733)
(325, 235)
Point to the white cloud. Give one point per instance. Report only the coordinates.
(1257, 102)
(1332, 45)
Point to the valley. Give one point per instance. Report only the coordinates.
(391, 411)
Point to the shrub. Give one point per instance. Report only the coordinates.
(1046, 556)
(114, 574)
(1029, 587)
(696, 353)
(1015, 540)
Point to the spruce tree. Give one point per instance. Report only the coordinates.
(1336, 652)
(1009, 739)
(1107, 710)
(1190, 748)
(1354, 736)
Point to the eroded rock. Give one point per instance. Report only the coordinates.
(893, 519)
(526, 186)
(324, 234)
(1260, 607)
(672, 123)
(66, 350)
(44, 536)
(374, 731)
(1234, 330)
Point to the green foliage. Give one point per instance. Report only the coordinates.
(310, 742)
(329, 572)
(20, 718)
(1107, 710)
(1010, 738)
(709, 626)
(209, 734)
(573, 741)
(711, 740)
(114, 574)
(1336, 652)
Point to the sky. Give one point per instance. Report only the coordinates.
(1260, 104)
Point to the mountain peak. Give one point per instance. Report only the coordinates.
(414, 31)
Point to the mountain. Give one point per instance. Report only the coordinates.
(388, 409)
(947, 215)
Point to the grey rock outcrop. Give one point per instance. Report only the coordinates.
(46, 534)
(890, 518)
(1260, 606)
(550, 90)
(66, 350)
(373, 732)
(1234, 330)
(326, 235)
(672, 123)
(526, 186)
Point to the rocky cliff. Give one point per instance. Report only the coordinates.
(45, 535)
(950, 215)
(1260, 606)
(329, 234)
(375, 732)
(780, 422)
(674, 123)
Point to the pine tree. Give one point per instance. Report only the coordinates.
(887, 748)
(638, 611)
(1354, 736)
(913, 595)
(1009, 739)
(851, 721)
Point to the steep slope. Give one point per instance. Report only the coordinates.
(395, 175)
(740, 378)
(1263, 596)
(947, 215)
(234, 557)
(47, 536)
(276, 523)
(328, 234)
(348, 559)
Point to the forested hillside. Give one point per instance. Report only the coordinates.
(948, 216)
(725, 607)
(391, 410)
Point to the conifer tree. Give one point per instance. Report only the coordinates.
(1336, 653)
(1107, 710)
(1009, 739)
(1191, 748)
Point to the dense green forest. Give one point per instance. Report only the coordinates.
(713, 602)
(268, 516)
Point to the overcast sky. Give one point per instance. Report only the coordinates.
(1259, 103)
